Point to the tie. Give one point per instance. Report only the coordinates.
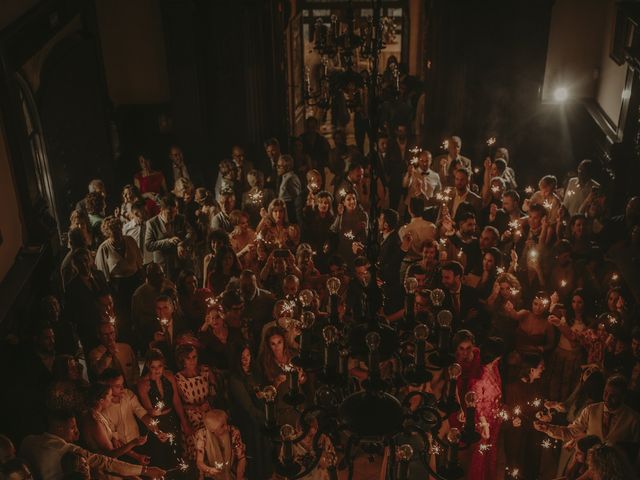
(456, 302)
(607, 417)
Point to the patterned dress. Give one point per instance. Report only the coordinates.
(193, 390)
(488, 389)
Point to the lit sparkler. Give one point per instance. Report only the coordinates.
(349, 234)
(182, 465)
(476, 170)
(256, 197)
(569, 193)
(614, 277)
(529, 190)
(112, 319)
(547, 204)
(484, 448)
(172, 438)
(495, 189)
(159, 406)
(514, 224)
(435, 449)
(342, 192)
(514, 291)
(499, 270)
(517, 410)
(491, 141)
(563, 283)
(503, 415)
(154, 423)
(546, 443)
(537, 402)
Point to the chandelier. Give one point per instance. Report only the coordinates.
(339, 45)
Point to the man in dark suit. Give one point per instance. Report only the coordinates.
(258, 305)
(391, 168)
(167, 237)
(389, 261)
(166, 329)
(273, 151)
(461, 300)
(81, 298)
(315, 145)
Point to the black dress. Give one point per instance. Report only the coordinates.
(165, 455)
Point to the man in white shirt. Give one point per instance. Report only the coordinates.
(420, 180)
(43, 453)
(136, 228)
(418, 228)
(123, 411)
(289, 186)
(579, 188)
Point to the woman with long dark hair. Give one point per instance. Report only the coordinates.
(247, 412)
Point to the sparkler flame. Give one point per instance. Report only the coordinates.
(529, 190)
(546, 443)
(491, 141)
(484, 447)
(349, 235)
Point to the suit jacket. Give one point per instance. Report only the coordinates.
(624, 426)
(469, 300)
(474, 205)
(390, 259)
(157, 241)
(82, 310)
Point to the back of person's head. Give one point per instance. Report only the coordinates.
(416, 206)
(76, 238)
(15, 469)
(7, 449)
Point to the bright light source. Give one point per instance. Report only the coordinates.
(560, 94)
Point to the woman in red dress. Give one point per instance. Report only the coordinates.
(151, 184)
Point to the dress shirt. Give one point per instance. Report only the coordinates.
(122, 416)
(115, 264)
(43, 454)
(575, 194)
(136, 231)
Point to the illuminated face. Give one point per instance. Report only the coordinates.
(449, 280)
(107, 304)
(613, 397)
(282, 166)
(191, 284)
(169, 214)
(276, 344)
(577, 304)
(278, 215)
(535, 220)
(488, 262)
(578, 228)
(117, 389)
(505, 290)
(164, 309)
(454, 148)
(191, 360)
(107, 334)
(464, 352)
(362, 274)
(106, 401)
(350, 202)
(461, 181)
(635, 347)
(238, 155)
(70, 432)
(468, 227)
(228, 202)
(425, 161)
(539, 306)
(324, 204)
(273, 151)
(245, 359)
(536, 373)
(508, 204)
(214, 318)
(493, 172)
(356, 175)
(290, 287)
(429, 254)
(156, 369)
(612, 300)
(145, 163)
(487, 240)
(383, 144)
(176, 155)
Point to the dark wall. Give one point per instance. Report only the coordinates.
(226, 74)
(487, 69)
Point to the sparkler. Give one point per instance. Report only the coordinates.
(503, 415)
(517, 410)
(159, 406)
(435, 449)
(529, 190)
(546, 443)
(547, 204)
(112, 319)
(460, 253)
(172, 438)
(349, 234)
(164, 322)
(563, 283)
(614, 277)
(514, 224)
(514, 472)
(495, 189)
(342, 192)
(154, 423)
(443, 242)
(484, 448)
(499, 270)
(569, 193)
(533, 254)
(491, 141)
(514, 291)
(476, 170)
(536, 402)
(256, 197)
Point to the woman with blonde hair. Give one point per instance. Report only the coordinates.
(274, 228)
(220, 452)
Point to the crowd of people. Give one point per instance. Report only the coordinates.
(180, 308)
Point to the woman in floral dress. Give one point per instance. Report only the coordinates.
(194, 388)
